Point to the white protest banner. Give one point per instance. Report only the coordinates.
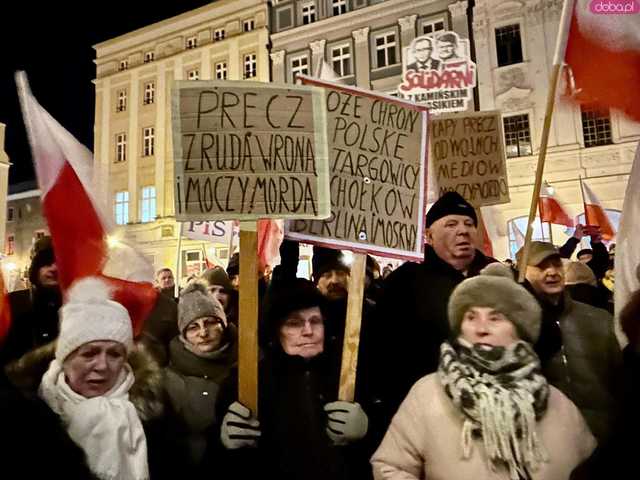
(248, 150)
(467, 156)
(377, 155)
(216, 231)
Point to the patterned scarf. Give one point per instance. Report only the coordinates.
(502, 394)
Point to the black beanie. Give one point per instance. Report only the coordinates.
(41, 256)
(325, 259)
(451, 203)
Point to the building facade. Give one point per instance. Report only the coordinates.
(224, 40)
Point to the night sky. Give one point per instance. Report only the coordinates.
(54, 47)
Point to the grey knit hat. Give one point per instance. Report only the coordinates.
(195, 302)
(496, 287)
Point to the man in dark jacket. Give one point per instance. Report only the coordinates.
(34, 311)
(412, 310)
(596, 257)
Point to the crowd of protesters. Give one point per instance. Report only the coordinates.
(463, 373)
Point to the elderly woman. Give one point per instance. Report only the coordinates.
(488, 413)
(88, 383)
(301, 431)
(201, 357)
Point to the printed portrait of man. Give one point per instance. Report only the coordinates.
(422, 52)
(447, 45)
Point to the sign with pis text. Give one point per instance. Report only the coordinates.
(216, 231)
(247, 150)
(377, 160)
(467, 156)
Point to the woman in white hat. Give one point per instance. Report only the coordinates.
(488, 413)
(88, 383)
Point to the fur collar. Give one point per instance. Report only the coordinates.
(147, 392)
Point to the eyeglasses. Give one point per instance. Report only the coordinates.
(300, 323)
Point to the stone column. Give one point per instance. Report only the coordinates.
(458, 12)
(362, 57)
(133, 145)
(277, 66)
(163, 104)
(317, 55)
(407, 33)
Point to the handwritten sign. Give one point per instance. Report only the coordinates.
(377, 156)
(247, 150)
(468, 157)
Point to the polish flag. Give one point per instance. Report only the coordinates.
(551, 210)
(517, 234)
(270, 236)
(78, 224)
(594, 214)
(603, 53)
(5, 311)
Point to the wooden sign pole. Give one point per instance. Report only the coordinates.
(248, 323)
(352, 328)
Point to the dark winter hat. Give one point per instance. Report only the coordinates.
(298, 294)
(196, 302)
(372, 266)
(538, 253)
(451, 203)
(41, 256)
(234, 265)
(584, 251)
(217, 276)
(325, 259)
(495, 287)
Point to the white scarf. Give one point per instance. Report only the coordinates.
(106, 427)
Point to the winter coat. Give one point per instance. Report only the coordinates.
(424, 440)
(147, 395)
(192, 385)
(293, 443)
(585, 362)
(33, 442)
(160, 328)
(412, 321)
(35, 321)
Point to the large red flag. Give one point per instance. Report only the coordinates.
(78, 224)
(594, 213)
(551, 210)
(603, 53)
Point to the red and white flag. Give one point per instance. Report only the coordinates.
(5, 311)
(518, 235)
(270, 236)
(551, 210)
(603, 53)
(594, 214)
(78, 224)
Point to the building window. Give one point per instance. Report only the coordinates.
(10, 247)
(121, 106)
(432, 27)
(308, 13)
(221, 71)
(299, 66)
(596, 126)
(10, 214)
(193, 74)
(218, 34)
(192, 42)
(121, 147)
(508, 45)
(148, 204)
(341, 59)
(122, 207)
(124, 64)
(339, 7)
(250, 67)
(385, 49)
(148, 140)
(517, 135)
(149, 57)
(248, 25)
(193, 263)
(149, 93)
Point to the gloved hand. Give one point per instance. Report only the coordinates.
(346, 422)
(239, 428)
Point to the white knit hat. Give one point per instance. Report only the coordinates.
(90, 315)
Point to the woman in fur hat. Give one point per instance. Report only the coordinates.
(107, 394)
(488, 413)
(201, 357)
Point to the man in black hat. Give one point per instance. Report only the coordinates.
(413, 306)
(34, 311)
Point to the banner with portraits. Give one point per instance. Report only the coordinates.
(438, 72)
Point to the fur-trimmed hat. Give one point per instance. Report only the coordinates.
(325, 259)
(578, 272)
(451, 203)
(41, 256)
(196, 302)
(217, 276)
(91, 315)
(496, 287)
